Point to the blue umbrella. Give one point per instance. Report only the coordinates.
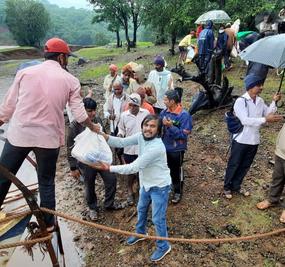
(268, 51)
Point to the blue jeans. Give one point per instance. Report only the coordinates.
(12, 158)
(158, 198)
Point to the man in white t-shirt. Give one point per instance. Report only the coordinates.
(114, 107)
(162, 80)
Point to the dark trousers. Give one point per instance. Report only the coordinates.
(240, 160)
(174, 162)
(203, 63)
(227, 58)
(12, 158)
(216, 70)
(278, 180)
(110, 183)
(119, 151)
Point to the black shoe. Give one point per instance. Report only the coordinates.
(131, 200)
(116, 206)
(93, 214)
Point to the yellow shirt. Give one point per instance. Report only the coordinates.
(186, 41)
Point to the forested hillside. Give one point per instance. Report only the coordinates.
(73, 25)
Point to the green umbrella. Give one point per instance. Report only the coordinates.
(241, 35)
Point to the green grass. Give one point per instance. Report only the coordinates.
(270, 87)
(249, 219)
(269, 263)
(16, 48)
(9, 68)
(144, 44)
(96, 53)
(98, 71)
(11, 65)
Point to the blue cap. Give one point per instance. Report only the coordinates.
(252, 80)
(158, 60)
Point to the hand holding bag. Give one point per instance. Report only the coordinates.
(91, 148)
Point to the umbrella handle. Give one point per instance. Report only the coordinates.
(281, 82)
(280, 104)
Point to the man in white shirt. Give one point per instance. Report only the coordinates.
(252, 112)
(115, 105)
(162, 80)
(110, 79)
(130, 124)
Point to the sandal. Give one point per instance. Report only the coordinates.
(265, 204)
(244, 192)
(282, 217)
(228, 194)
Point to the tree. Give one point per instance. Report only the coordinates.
(122, 12)
(113, 26)
(168, 17)
(27, 20)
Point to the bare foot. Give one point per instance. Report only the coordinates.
(282, 217)
(263, 205)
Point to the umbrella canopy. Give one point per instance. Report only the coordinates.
(268, 51)
(241, 35)
(217, 16)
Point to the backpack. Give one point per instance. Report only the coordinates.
(234, 124)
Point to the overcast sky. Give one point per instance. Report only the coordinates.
(71, 3)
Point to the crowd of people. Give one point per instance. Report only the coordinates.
(149, 130)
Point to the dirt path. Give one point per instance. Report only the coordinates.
(202, 213)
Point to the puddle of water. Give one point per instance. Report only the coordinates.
(73, 258)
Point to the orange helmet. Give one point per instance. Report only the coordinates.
(57, 45)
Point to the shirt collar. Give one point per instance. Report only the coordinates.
(247, 97)
(140, 111)
(177, 111)
(51, 62)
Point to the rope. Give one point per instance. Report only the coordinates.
(12, 217)
(172, 239)
(27, 242)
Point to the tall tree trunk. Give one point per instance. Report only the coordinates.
(119, 44)
(129, 43)
(135, 23)
(173, 41)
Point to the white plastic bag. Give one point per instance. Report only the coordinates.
(190, 53)
(91, 147)
(234, 52)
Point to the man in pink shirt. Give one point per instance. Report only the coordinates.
(34, 106)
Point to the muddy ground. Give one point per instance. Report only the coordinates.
(203, 211)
